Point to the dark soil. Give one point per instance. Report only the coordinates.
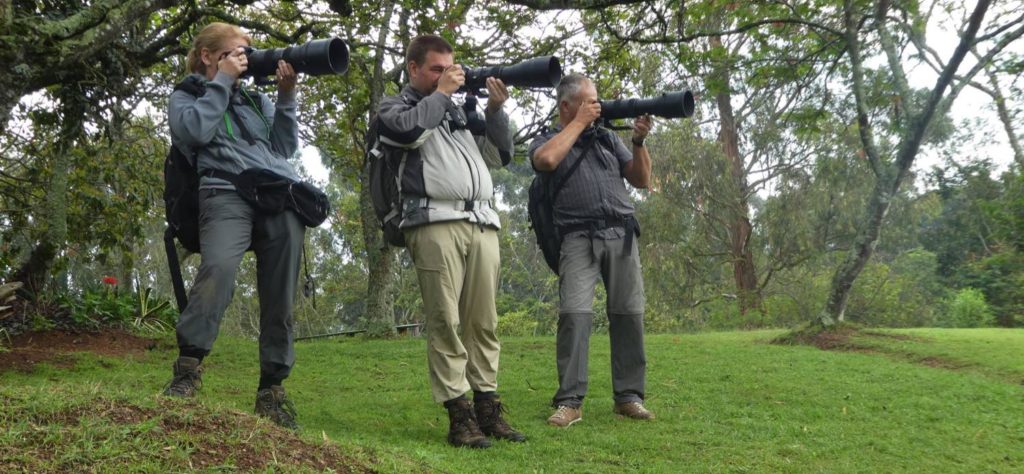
(55, 346)
(211, 438)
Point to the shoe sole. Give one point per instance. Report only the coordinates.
(471, 445)
(567, 425)
(627, 417)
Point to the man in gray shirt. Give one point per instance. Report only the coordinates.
(451, 227)
(594, 215)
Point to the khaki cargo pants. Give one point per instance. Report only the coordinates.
(457, 266)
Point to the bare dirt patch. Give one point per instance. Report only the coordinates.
(830, 340)
(27, 350)
(841, 339)
(886, 335)
(175, 435)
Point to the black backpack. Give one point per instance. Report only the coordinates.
(384, 165)
(540, 207)
(181, 202)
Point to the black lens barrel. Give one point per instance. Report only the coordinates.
(678, 104)
(315, 58)
(543, 71)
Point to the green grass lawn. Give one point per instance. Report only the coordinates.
(724, 401)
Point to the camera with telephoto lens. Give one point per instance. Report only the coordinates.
(668, 105)
(543, 71)
(315, 58)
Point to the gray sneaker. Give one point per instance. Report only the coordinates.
(188, 378)
(274, 404)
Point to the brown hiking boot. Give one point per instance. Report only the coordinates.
(274, 404)
(634, 410)
(488, 416)
(565, 416)
(463, 430)
(188, 378)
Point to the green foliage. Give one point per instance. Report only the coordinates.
(1001, 278)
(968, 309)
(904, 293)
(517, 323)
(94, 308)
(39, 322)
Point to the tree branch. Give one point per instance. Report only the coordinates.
(545, 5)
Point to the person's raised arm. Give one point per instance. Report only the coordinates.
(195, 121)
(550, 154)
(638, 170)
(284, 137)
(408, 125)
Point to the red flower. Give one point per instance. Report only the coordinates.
(110, 280)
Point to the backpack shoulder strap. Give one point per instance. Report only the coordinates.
(192, 85)
(586, 147)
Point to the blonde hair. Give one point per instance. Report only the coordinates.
(212, 37)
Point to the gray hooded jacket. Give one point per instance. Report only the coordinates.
(206, 127)
(445, 176)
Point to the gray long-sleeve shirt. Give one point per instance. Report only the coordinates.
(205, 126)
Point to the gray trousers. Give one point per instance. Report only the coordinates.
(583, 261)
(228, 226)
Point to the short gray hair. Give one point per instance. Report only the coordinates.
(570, 86)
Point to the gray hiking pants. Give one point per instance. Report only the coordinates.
(583, 260)
(228, 226)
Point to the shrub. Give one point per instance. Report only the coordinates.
(98, 307)
(968, 309)
(517, 323)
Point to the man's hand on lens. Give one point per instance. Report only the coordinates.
(641, 127)
(497, 94)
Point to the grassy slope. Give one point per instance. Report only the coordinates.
(725, 402)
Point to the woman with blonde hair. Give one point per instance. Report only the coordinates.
(226, 129)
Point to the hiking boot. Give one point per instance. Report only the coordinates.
(188, 378)
(565, 416)
(274, 404)
(463, 430)
(634, 410)
(488, 417)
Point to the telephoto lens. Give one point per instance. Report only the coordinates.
(315, 58)
(668, 105)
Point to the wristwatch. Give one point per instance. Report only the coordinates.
(639, 142)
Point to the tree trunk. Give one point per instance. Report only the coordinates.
(889, 177)
(740, 230)
(864, 247)
(34, 273)
(380, 257)
(1006, 118)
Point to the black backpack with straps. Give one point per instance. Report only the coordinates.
(181, 186)
(540, 207)
(181, 201)
(384, 165)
